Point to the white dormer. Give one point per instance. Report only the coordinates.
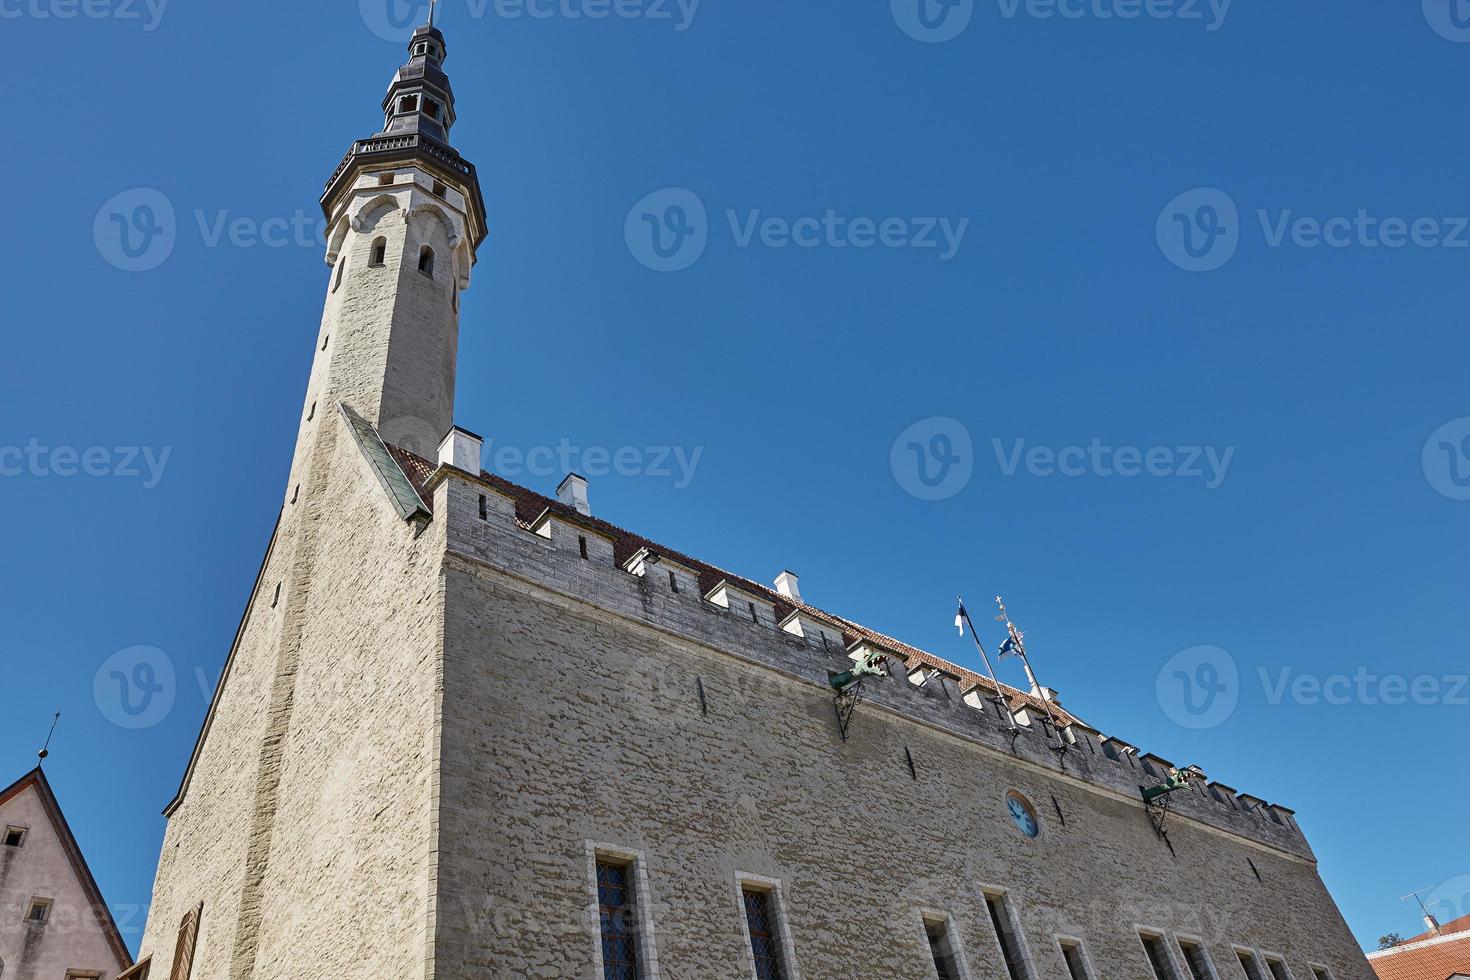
(743, 604)
(818, 632)
(663, 572)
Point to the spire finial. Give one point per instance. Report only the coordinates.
(46, 749)
(433, 6)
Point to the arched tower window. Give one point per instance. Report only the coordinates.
(426, 261)
(380, 251)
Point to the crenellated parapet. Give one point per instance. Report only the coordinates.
(537, 540)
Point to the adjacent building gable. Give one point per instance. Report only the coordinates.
(53, 920)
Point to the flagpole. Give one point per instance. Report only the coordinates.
(999, 697)
(1017, 637)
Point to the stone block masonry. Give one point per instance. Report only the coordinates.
(572, 703)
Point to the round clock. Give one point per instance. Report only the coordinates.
(1024, 815)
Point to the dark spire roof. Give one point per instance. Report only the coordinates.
(420, 99)
(418, 113)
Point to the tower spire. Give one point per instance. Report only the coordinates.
(433, 6)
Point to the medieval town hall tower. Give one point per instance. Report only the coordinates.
(469, 730)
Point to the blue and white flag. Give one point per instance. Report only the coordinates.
(1010, 648)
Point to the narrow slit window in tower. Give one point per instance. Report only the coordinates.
(426, 261)
(380, 252)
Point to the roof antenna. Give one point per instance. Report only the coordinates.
(1429, 919)
(46, 749)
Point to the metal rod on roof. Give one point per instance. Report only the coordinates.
(46, 749)
(964, 619)
(1017, 643)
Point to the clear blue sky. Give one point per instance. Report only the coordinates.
(1064, 317)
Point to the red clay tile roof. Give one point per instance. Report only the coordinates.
(531, 505)
(1461, 924)
(1432, 959)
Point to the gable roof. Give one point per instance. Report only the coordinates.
(36, 779)
(531, 507)
(1427, 956)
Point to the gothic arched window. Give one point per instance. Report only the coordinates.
(426, 261)
(380, 251)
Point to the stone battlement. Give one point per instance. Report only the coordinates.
(567, 553)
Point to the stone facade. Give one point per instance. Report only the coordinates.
(430, 728)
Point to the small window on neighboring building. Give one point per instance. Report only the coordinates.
(1158, 956)
(1008, 937)
(673, 584)
(384, 180)
(765, 933)
(379, 253)
(1197, 960)
(1075, 960)
(1248, 964)
(38, 911)
(942, 946)
(1278, 968)
(582, 545)
(15, 836)
(484, 508)
(1321, 973)
(754, 616)
(426, 261)
(618, 919)
(439, 188)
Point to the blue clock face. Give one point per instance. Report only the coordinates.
(1022, 814)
